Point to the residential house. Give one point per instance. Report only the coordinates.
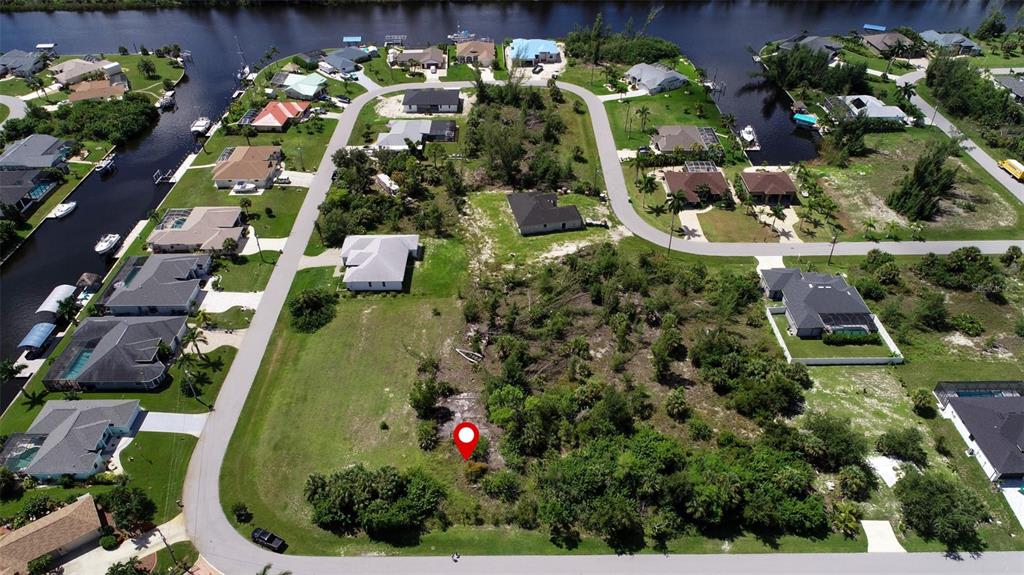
(655, 78)
(310, 58)
(953, 43)
(824, 44)
(307, 87)
(37, 151)
(432, 101)
(885, 42)
(256, 165)
(338, 62)
(20, 63)
(765, 186)
(163, 284)
(196, 229)
(871, 107)
(378, 262)
(476, 52)
(96, 90)
(668, 139)
(23, 188)
(357, 55)
(530, 52)
(817, 304)
(539, 213)
(110, 353)
(430, 57)
(71, 437)
(1014, 84)
(992, 425)
(692, 185)
(277, 115)
(416, 131)
(76, 70)
(61, 533)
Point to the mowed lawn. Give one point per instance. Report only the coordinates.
(734, 226)
(803, 347)
(377, 69)
(303, 144)
(196, 189)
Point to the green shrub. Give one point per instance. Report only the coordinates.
(109, 542)
(855, 482)
(503, 485)
(699, 429)
(241, 512)
(675, 405)
(924, 403)
(870, 288)
(312, 309)
(842, 338)
(904, 444)
(426, 435)
(967, 324)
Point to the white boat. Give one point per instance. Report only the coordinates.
(201, 126)
(461, 35)
(237, 94)
(166, 101)
(106, 164)
(243, 188)
(749, 138)
(107, 243)
(63, 209)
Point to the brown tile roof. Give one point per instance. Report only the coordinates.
(248, 163)
(94, 89)
(688, 182)
(768, 183)
(58, 529)
(670, 138)
(483, 51)
(205, 228)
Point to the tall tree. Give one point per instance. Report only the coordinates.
(676, 203)
(647, 186)
(67, 310)
(644, 112)
(147, 67)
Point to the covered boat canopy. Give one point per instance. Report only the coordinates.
(805, 119)
(37, 336)
(874, 27)
(59, 294)
(89, 280)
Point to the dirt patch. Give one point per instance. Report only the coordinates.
(955, 340)
(391, 107)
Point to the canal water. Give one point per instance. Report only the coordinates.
(715, 35)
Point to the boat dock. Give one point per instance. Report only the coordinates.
(130, 238)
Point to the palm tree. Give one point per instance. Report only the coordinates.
(193, 336)
(147, 68)
(675, 203)
(646, 186)
(906, 91)
(892, 230)
(186, 363)
(845, 515)
(203, 318)
(10, 370)
(644, 112)
(245, 204)
(870, 223)
(656, 210)
(249, 131)
(778, 212)
(637, 162)
(67, 310)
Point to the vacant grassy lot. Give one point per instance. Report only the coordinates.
(580, 133)
(11, 86)
(967, 126)
(494, 222)
(166, 69)
(196, 189)
(980, 208)
(590, 77)
(993, 55)
(303, 145)
(378, 70)
(368, 124)
(803, 347)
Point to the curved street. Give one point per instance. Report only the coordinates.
(232, 553)
(17, 107)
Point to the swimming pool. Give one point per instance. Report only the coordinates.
(78, 364)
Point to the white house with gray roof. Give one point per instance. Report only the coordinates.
(378, 262)
(21, 63)
(71, 438)
(108, 353)
(417, 132)
(655, 78)
(954, 43)
(37, 151)
(162, 284)
(817, 303)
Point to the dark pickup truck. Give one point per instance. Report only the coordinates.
(265, 538)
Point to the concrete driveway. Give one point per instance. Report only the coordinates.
(97, 560)
(221, 301)
(881, 538)
(162, 422)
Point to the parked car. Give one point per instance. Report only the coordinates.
(339, 100)
(282, 180)
(538, 69)
(265, 538)
(316, 111)
(643, 150)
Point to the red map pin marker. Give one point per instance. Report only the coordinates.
(466, 435)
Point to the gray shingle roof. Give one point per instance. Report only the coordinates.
(816, 300)
(377, 258)
(539, 208)
(73, 429)
(35, 151)
(652, 75)
(123, 350)
(431, 97)
(15, 184)
(19, 60)
(351, 53)
(1014, 84)
(341, 61)
(948, 39)
(997, 424)
(160, 280)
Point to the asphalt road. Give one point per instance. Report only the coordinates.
(232, 554)
(17, 106)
